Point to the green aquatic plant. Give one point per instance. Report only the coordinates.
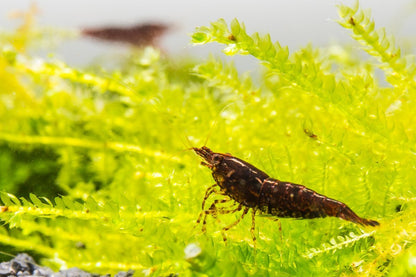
(95, 171)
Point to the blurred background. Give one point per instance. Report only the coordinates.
(294, 23)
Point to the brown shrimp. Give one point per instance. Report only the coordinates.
(251, 188)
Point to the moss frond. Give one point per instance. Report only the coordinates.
(82, 143)
(225, 78)
(338, 243)
(400, 70)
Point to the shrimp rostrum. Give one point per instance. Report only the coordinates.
(247, 187)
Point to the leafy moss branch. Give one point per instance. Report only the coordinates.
(15, 209)
(307, 76)
(338, 243)
(38, 67)
(304, 71)
(225, 77)
(27, 245)
(399, 70)
(84, 143)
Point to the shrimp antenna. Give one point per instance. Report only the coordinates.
(215, 122)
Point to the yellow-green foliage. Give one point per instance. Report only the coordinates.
(95, 171)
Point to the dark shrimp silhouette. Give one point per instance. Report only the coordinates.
(138, 35)
(251, 188)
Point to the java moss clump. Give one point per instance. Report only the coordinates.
(95, 170)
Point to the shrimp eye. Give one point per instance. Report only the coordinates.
(216, 158)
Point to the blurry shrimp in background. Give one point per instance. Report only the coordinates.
(140, 35)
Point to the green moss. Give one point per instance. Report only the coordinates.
(95, 172)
